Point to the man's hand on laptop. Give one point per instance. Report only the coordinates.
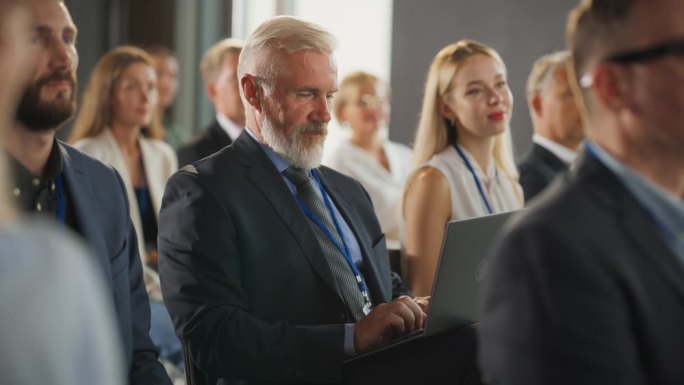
(388, 320)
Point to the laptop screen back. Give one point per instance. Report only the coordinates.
(461, 269)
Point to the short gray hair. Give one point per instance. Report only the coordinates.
(543, 69)
(278, 35)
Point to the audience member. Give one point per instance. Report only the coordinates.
(117, 125)
(462, 154)
(57, 324)
(380, 165)
(586, 286)
(219, 72)
(166, 65)
(87, 197)
(558, 130)
(275, 269)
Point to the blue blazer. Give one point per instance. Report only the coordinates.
(99, 199)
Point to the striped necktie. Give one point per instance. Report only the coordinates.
(342, 272)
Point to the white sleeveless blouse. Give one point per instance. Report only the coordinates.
(503, 193)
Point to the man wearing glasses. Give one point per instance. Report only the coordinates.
(598, 297)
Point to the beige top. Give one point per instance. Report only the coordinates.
(384, 187)
(503, 193)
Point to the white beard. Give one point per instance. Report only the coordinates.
(296, 149)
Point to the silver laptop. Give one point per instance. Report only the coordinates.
(461, 269)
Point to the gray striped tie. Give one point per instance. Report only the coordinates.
(344, 277)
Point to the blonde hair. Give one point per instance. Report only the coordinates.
(96, 112)
(349, 87)
(214, 56)
(433, 135)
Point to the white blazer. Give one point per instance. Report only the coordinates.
(159, 160)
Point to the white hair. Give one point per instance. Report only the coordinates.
(278, 35)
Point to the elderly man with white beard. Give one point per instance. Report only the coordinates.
(274, 268)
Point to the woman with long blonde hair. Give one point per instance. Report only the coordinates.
(118, 125)
(463, 161)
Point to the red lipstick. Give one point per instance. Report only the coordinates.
(497, 116)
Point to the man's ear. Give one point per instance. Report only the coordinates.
(536, 105)
(210, 89)
(251, 90)
(611, 85)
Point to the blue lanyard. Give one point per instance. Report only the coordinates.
(343, 247)
(475, 178)
(59, 186)
(142, 199)
(664, 229)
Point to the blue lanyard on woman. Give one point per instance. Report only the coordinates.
(343, 248)
(475, 178)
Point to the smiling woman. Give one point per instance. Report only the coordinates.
(462, 157)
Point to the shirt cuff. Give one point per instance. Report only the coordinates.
(349, 330)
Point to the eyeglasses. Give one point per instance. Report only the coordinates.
(675, 47)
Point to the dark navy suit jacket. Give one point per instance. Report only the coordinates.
(537, 169)
(101, 208)
(583, 289)
(244, 277)
(210, 140)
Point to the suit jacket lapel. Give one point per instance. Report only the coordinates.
(263, 174)
(640, 230)
(80, 196)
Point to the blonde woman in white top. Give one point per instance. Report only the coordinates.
(463, 159)
(381, 166)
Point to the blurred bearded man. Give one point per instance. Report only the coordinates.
(81, 194)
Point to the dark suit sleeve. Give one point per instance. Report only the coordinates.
(200, 267)
(145, 368)
(553, 313)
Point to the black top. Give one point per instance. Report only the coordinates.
(149, 220)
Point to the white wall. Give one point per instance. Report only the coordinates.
(363, 29)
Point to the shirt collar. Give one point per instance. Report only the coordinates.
(29, 188)
(563, 153)
(232, 129)
(53, 167)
